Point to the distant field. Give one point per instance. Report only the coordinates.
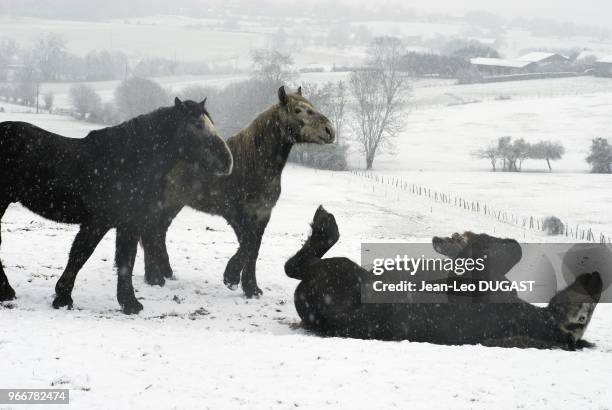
(210, 39)
(171, 37)
(140, 40)
(435, 149)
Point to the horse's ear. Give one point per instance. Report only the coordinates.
(177, 102)
(282, 95)
(299, 90)
(203, 103)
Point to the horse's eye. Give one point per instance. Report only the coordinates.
(199, 125)
(297, 111)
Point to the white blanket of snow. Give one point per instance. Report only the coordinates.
(199, 345)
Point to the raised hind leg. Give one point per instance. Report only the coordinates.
(6, 291)
(84, 244)
(324, 235)
(125, 254)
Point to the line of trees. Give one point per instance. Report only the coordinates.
(133, 96)
(368, 109)
(508, 155)
(48, 60)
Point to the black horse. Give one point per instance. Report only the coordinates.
(245, 198)
(112, 178)
(328, 300)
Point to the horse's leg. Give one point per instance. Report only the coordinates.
(252, 245)
(83, 246)
(231, 276)
(156, 260)
(6, 291)
(324, 235)
(125, 254)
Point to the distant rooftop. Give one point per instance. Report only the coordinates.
(538, 56)
(607, 60)
(499, 62)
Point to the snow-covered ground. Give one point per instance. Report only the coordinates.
(199, 345)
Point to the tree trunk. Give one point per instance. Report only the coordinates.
(369, 162)
(549, 167)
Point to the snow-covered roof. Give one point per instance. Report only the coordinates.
(607, 59)
(499, 62)
(538, 56)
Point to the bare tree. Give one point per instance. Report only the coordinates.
(491, 153)
(48, 100)
(27, 86)
(8, 50)
(50, 53)
(549, 151)
(521, 150)
(378, 91)
(272, 67)
(337, 110)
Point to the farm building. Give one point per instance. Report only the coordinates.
(536, 62)
(543, 60)
(603, 67)
(499, 66)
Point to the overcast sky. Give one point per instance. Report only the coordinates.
(598, 12)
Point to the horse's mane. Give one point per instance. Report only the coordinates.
(142, 127)
(257, 136)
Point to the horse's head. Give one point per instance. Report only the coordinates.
(501, 254)
(573, 306)
(303, 121)
(199, 143)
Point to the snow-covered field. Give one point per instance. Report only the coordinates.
(435, 148)
(199, 345)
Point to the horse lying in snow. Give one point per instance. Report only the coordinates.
(328, 300)
(112, 178)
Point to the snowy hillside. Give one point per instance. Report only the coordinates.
(199, 345)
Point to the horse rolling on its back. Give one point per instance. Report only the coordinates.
(109, 179)
(328, 300)
(246, 197)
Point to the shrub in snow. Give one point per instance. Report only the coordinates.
(332, 157)
(553, 226)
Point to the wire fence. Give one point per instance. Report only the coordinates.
(529, 222)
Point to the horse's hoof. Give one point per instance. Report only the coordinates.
(132, 308)
(155, 280)
(7, 293)
(252, 291)
(62, 301)
(230, 286)
(231, 282)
